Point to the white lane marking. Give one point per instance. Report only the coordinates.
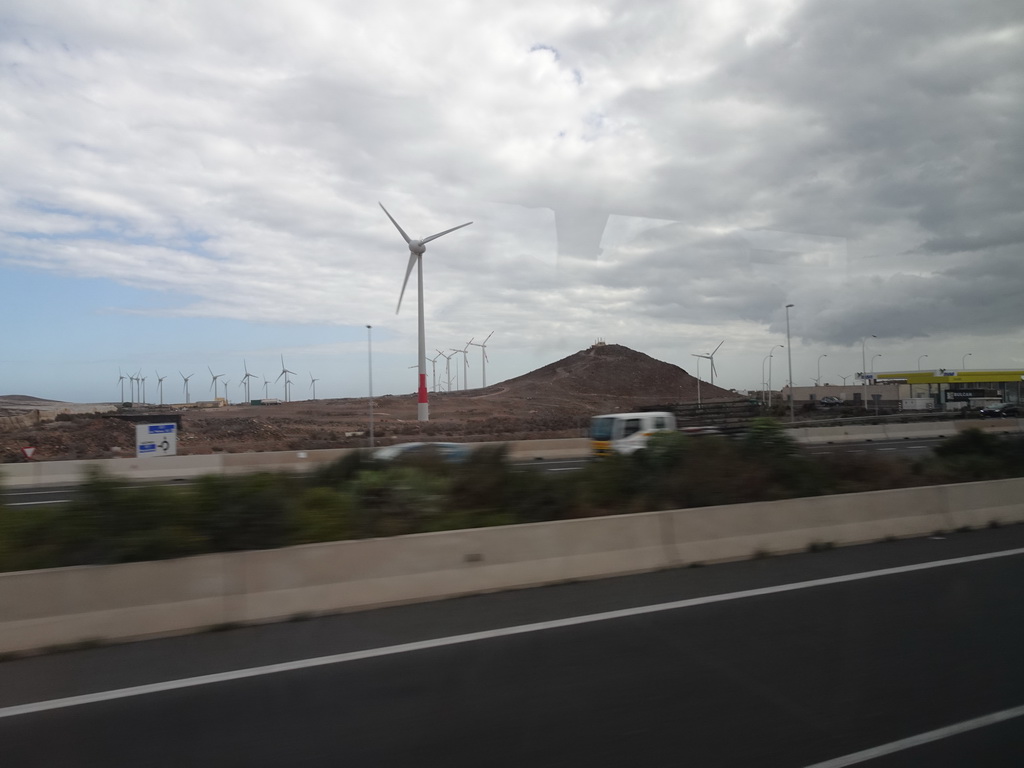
(921, 738)
(33, 503)
(489, 634)
(886, 449)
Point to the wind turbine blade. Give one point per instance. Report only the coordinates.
(714, 371)
(408, 271)
(426, 240)
(400, 230)
(718, 347)
(488, 337)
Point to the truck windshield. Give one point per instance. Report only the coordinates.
(601, 429)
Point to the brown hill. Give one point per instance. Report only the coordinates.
(611, 370)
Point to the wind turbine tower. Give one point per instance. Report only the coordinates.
(245, 381)
(465, 365)
(312, 385)
(483, 354)
(433, 369)
(287, 382)
(120, 380)
(213, 380)
(185, 379)
(711, 357)
(416, 250)
(447, 370)
(160, 386)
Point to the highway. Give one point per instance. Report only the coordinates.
(806, 660)
(60, 494)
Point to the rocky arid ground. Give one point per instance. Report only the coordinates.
(554, 401)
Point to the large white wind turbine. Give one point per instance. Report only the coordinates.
(483, 351)
(416, 250)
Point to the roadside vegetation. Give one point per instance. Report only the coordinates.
(357, 497)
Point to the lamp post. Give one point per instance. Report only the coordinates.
(764, 381)
(863, 363)
(369, 357)
(919, 359)
(963, 360)
(770, 354)
(817, 381)
(877, 354)
(789, 354)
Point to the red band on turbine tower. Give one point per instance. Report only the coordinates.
(423, 388)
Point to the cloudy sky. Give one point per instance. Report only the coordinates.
(190, 185)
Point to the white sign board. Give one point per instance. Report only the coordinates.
(156, 440)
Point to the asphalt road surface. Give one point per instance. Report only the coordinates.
(792, 661)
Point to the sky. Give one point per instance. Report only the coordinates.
(193, 188)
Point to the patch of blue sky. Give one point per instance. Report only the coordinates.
(94, 319)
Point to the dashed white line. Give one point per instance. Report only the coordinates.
(921, 738)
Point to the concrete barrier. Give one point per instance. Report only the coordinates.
(39, 609)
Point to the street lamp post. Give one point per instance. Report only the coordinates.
(863, 363)
(789, 354)
(877, 354)
(764, 381)
(817, 381)
(770, 355)
(369, 356)
(963, 360)
(919, 359)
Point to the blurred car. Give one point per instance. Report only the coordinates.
(447, 452)
(829, 401)
(1001, 410)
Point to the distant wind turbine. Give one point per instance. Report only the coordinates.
(416, 250)
(120, 380)
(160, 386)
(245, 380)
(185, 379)
(465, 365)
(433, 368)
(287, 381)
(447, 370)
(213, 380)
(312, 385)
(483, 354)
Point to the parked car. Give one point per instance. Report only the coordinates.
(447, 452)
(830, 401)
(1001, 410)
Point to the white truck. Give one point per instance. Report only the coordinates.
(626, 433)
